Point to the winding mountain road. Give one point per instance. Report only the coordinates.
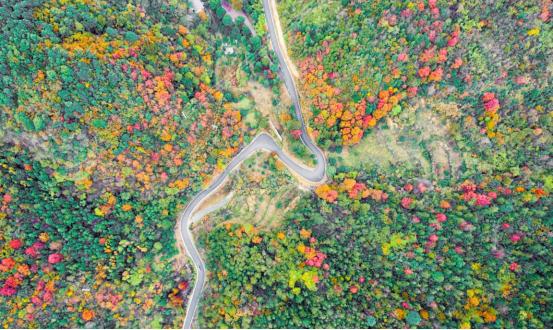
(261, 142)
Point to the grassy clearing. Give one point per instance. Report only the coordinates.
(417, 140)
(264, 191)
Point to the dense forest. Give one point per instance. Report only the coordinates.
(113, 115)
(435, 117)
(389, 255)
(465, 242)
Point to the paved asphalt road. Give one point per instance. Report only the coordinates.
(262, 142)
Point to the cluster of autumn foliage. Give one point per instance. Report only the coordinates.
(491, 116)
(30, 266)
(348, 97)
(354, 190)
(362, 62)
